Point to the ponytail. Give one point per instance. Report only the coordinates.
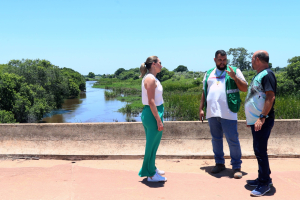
(143, 70)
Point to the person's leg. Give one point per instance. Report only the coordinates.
(260, 143)
(232, 136)
(156, 142)
(153, 137)
(157, 139)
(217, 139)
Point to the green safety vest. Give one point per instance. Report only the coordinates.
(232, 91)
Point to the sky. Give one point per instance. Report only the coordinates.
(101, 36)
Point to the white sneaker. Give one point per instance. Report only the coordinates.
(160, 172)
(157, 178)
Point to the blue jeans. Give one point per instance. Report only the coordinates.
(260, 143)
(218, 126)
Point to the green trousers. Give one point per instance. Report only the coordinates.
(153, 137)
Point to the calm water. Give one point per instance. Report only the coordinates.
(91, 106)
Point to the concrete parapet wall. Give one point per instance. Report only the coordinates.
(123, 139)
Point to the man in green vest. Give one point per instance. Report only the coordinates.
(221, 98)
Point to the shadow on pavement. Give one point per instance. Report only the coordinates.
(226, 173)
(270, 193)
(153, 184)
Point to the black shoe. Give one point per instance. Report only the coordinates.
(218, 168)
(255, 182)
(260, 190)
(237, 173)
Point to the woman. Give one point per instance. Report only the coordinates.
(152, 117)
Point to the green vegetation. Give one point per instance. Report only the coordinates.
(96, 78)
(91, 75)
(76, 81)
(31, 88)
(182, 90)
(181, 68)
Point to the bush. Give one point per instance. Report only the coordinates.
(135, 77)
(164, 75)
(197, 81)
(7, 117)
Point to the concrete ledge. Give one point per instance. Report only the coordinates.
(127, 140)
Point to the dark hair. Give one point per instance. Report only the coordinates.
(262, 56)
(222, 52)
(147, 65)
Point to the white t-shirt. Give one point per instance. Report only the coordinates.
(158, 98)
(217, 105)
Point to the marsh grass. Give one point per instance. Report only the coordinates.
(182, 98)
(287, 107)
(132, 107)
(110, 94)
(182, 106)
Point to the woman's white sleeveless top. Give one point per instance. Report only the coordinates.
(158, 98)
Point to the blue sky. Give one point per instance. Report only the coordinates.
(102, 36)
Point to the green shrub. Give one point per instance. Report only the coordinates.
(7, 117)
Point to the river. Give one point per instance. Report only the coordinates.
(91, 106)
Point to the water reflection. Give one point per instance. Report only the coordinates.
(91, 106)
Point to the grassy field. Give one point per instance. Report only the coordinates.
(182, 95)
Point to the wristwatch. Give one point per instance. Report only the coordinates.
(263, 116)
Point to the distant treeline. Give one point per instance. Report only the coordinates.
(31, 88)
(288, 77)
(134, 73)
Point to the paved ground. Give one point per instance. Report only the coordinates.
(118, 179)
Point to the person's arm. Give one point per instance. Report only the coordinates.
(201, 112)
(270, 98)
(150, 86)
(242, 85)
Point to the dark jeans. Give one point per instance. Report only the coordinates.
(260, 143)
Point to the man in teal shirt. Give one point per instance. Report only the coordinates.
(259, 110)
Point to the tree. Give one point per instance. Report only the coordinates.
(181, 68)
(288, 82)
(294, 59)
(241, 58)
(75, 77)
(27, 103)
(126, 75)
(293, 71)
(270, 65)
(135, 70)
(136, 77)
(73, 89)
(6, 117)
(164, 74)
(119, 71)
(31, 88)
(2, 66)
(91, 75)
(42, 72)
